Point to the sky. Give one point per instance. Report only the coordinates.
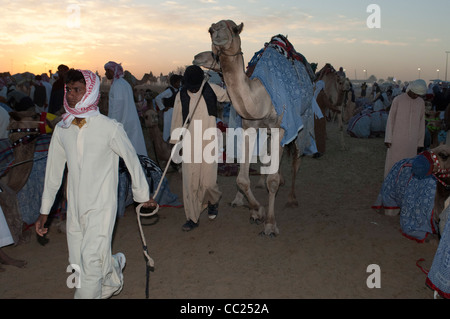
(403, 39)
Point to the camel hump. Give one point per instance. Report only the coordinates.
(281, 43)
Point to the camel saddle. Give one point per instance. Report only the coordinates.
(284, 47)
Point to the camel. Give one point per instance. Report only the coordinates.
(334, 88)
(348, 107)
(24, 129)
(24, 132)
(161, 147)
(254, 104)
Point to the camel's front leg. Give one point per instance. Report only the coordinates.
(257, 213)
(273, 183)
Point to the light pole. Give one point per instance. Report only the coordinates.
(365, 72)
(446, 65)
(437, 73)
(419, 72)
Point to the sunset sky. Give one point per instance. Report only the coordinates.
(160, 36)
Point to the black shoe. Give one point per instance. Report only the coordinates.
(317, 155)
(213, 210)
(189, 225)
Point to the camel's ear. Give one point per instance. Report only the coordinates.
(238, 29)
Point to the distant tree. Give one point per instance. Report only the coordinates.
(180, 70)
(372, 78)
(152, 78)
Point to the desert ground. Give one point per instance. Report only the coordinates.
(323, 251)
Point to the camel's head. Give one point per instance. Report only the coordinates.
(151, 118)
(346, 85)
(225, 36)
(24, 123)
(207, 60)
(334, 84)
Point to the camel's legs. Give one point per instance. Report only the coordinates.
(273, 184)
(257, 213)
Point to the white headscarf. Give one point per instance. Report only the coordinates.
(88, 105)
(418, 86)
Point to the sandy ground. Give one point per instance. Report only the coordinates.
(323, 250)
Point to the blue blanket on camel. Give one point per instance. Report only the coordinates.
(288, 82)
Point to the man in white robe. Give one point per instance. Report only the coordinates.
(123, 108)
(405, 127)
(90, 144)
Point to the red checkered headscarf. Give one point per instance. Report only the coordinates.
(88, 105)
(116, 68)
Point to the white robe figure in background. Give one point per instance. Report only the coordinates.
(123, 108)
(165, 101)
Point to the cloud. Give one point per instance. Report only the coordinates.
(385, 42)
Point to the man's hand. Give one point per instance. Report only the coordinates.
(40, 230)
(388, 145)
(151, 203)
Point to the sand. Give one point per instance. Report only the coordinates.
(324, 248)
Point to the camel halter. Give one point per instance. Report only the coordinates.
(221, 52)
(441, 173)
(22, 141)
(150, 262)
(27, 138)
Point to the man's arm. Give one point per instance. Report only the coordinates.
(159, 98)
(121, 145)
(56, 161)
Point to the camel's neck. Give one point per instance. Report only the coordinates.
(154, 132)
(333, 90)
(245, 94)
(18, 175)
